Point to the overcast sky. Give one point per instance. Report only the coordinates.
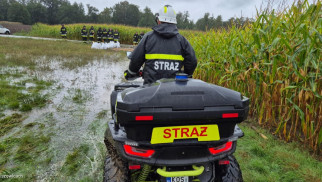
(196, 8)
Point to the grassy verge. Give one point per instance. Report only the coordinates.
(263, 157)
(23, 52)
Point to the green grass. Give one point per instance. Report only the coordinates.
(273, 160)
(30, 146)
(6, 124)
(79, 97)
(75, 160)
(24, 154)
(102, 114)
(11, 53)
(15, 96)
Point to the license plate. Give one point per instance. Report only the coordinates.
(171, 133)
(178, 179)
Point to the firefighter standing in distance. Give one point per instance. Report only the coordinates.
(104, 35)
(116, 36)
(110, 35)
(84, 33)
(99, 34)
(163, 51)
(141, 36)
(136, 38)
(91, 33)
(63, 31)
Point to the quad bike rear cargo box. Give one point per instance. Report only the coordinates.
(170, 102)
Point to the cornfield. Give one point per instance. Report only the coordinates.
(74, 31)
(276, 61)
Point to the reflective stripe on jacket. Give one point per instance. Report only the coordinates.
(84, 33)
(164, 52)
(63, 31)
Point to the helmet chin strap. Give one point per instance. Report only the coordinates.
(157, 18)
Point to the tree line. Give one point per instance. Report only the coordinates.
(63, 12)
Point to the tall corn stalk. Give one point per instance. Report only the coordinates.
(276, 61)
(74, 31)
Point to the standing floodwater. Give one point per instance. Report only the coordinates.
(79, 113)
(71, 126)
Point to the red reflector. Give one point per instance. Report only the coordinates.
(133, 167)
(223, 162)
(143, 118)
(230, 115)
(129, 150)
(223, 148)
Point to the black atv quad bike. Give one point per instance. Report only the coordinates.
(175, 130)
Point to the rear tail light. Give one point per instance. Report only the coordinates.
(143, 118)
(137, 152)
(224, 162)
(134, 167)
(222, 148)
(230, 115)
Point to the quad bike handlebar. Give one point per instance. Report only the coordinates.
(129, 76)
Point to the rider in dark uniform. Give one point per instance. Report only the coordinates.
(163, 51)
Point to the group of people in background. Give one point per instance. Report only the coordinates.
(102, 35)
(137, 38)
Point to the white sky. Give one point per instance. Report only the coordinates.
(196, 8)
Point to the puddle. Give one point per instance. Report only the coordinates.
(73, 117)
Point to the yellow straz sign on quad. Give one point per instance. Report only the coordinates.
(171, 133)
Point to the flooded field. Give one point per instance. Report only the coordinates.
(62, 140)
(54, 109)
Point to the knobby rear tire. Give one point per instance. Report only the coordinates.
(114, 170)
(233, 172)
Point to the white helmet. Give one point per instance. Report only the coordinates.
(167, 14)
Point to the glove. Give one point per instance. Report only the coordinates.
(129, 76)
